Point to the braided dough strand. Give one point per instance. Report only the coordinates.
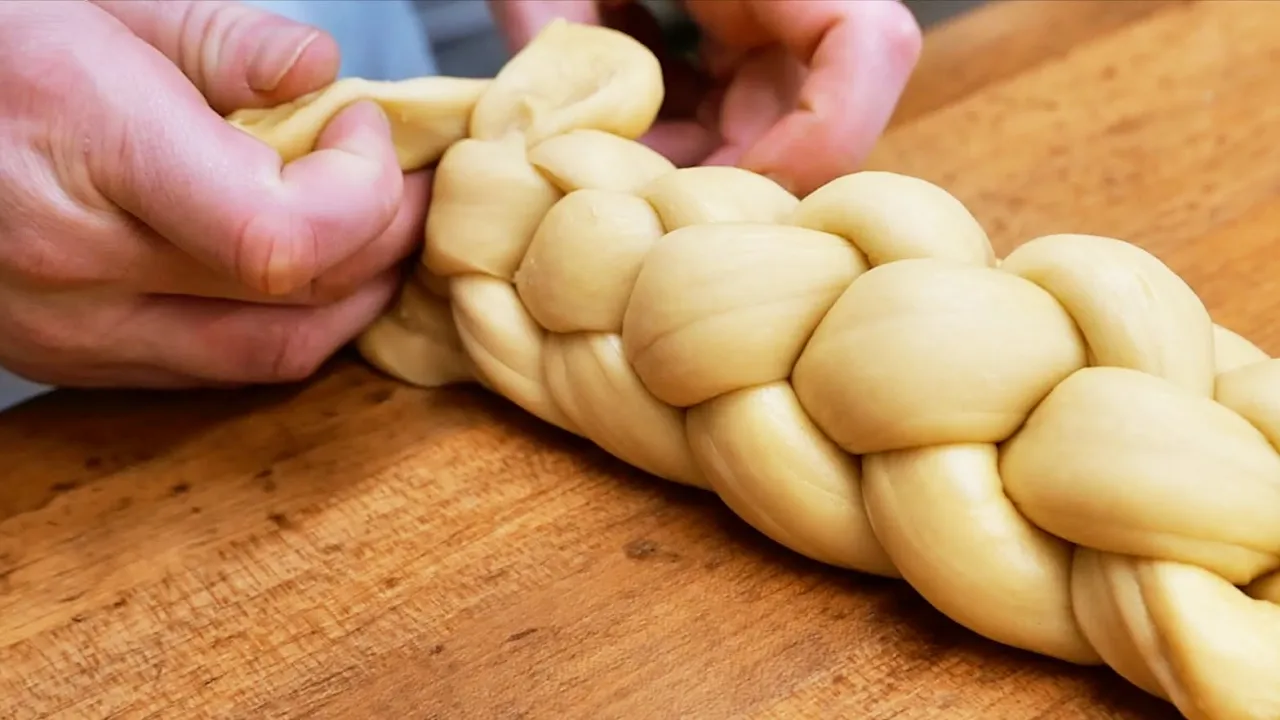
(1059, 450)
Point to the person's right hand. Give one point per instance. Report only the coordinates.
(144, 241)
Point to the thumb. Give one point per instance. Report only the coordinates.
(154, 148)
(238, 56)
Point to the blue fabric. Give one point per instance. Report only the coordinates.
(379, 39)
(14, 390)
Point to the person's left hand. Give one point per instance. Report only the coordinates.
(799, 91)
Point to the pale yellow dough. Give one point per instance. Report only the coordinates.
(1059, 450)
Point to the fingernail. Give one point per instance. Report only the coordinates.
(376, 113)
(276, 55)
(371, 126)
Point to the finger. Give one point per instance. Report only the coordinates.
(157, 267)
(519, 20)
(147, 264)
(763, 91)
(222, 196)
(144, 263)
(60, 339)
(859, 54)
(220, 341)
(237, 56)
(683, 142)
(401, 240)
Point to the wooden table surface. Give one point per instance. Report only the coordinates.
(355, 548)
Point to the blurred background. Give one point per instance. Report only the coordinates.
(466, 44)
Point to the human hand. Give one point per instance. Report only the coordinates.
(799, 91)
(144, 241)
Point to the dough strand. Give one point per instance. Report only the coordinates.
(1059, 449)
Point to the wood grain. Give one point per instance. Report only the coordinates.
(1005, 38)
(353, 548)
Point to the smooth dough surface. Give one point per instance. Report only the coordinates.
(1060, 449)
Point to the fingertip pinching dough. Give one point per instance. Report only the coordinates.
(1058, 449)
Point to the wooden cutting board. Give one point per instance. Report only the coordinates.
(354, 548)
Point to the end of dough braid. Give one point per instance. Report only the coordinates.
(1059, 450)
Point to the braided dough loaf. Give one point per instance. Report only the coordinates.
(1059, 450)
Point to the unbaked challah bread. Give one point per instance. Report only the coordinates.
(1059, 450)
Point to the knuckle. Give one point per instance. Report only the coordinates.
(58, 84)
(296, 354)
(215, 50)
(276, 254)
(47, 230)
